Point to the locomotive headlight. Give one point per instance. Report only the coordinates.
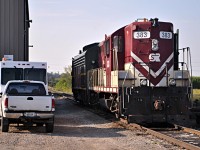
(155, 44)
(143, 82)
(172, 82)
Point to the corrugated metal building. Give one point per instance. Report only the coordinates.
(14, 29)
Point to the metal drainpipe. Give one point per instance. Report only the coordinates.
(25, 30)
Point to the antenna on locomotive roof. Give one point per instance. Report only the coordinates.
(106, 36)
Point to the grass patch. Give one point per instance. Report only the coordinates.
(196, 94)
(196, 97)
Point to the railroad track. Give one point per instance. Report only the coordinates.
(186, 135)
(60, 94)
(181, 136)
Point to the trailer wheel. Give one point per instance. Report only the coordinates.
(49, 127)
(4, 124)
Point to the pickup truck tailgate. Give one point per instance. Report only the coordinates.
(30, 103)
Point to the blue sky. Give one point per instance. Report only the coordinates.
(61, 28)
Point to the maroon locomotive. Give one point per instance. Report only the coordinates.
(136, 73)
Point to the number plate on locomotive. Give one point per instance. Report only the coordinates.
(165, 35)
(141, 35)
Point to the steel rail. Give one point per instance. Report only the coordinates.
(189, 130)
(162, 136)
(173, 140)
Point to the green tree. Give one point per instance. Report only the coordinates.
(196, 82)
(53, 78)
(64, 82)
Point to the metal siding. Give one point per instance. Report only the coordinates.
(1, 25)
(12, 29)
(21, 29)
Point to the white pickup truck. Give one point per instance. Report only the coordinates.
(26, 102)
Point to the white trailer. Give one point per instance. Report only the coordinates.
(22, 70)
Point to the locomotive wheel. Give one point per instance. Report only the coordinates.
(117, 115)
(94, 98)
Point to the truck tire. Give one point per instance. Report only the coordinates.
(4, 124)
(198, 120)
(39, 124)
(49, 127)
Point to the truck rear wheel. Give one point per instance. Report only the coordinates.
(49, 127)
(198, 120)
(4, 124)
(39, 124)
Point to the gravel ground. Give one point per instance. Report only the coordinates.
(76, 128)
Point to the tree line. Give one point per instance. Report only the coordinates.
(63, 82)
(196, 82)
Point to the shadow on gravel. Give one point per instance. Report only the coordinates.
(74, 121)
(26, 129)
(90, 132)
(70, 113)
(66, 131)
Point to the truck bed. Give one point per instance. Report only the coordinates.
(29, 103)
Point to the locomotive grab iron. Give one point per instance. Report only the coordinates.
(137, 73)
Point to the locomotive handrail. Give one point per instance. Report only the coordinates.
(126, 76)
(123, 85)
(188, 65)
(166, 74)
(189, 62)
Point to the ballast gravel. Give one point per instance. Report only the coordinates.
(78, 129)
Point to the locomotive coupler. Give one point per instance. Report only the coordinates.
(159, 105)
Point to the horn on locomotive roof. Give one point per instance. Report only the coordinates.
(154, 22)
